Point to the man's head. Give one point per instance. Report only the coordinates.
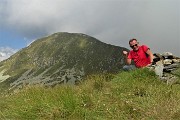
(133, 43)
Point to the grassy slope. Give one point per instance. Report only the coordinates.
(135, 95)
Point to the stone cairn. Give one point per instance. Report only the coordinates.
(164, 65)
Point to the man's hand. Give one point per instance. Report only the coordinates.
(149, 65)
(125, 53)
(128, 61)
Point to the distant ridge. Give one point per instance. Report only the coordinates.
(60, 58)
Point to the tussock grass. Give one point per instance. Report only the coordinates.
(138, 94)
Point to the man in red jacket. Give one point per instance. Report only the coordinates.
(141, 55)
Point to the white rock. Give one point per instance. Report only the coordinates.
(167, 61)
(159, 68)
(167, 54)
(175, 60)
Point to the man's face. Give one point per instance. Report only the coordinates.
(134, 45)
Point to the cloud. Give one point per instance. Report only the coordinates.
(6, 52)
(153, 22)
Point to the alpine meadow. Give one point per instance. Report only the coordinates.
(73, 76)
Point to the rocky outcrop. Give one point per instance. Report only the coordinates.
(165, 64)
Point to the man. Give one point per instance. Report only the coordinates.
(141, 55)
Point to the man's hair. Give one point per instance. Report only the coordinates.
(132, 40)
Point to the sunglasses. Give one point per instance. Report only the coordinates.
(132, 46)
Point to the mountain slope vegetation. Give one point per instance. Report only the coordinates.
(60, 58)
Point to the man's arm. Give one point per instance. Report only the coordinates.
(150, 55)
(128, 61)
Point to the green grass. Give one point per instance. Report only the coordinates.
(133, 95)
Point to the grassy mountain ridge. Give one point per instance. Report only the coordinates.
(61, 58)
(138, 94)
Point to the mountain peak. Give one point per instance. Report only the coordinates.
(61, 58)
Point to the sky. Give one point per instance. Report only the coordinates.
(155, 23)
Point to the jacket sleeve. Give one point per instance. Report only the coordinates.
(145, 48)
